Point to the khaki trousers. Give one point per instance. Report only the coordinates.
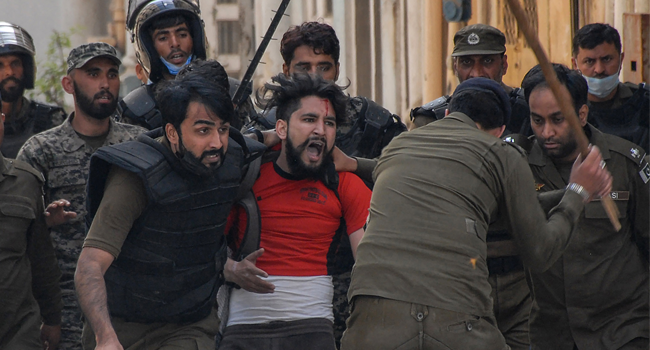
(169, 336)
(383, 324)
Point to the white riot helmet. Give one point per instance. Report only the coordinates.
(140, 16)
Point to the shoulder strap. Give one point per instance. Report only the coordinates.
(377, 119)
(521, 142)
(42, 115)
(18, 164)
(139, 105)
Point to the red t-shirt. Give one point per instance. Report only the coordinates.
(299, 219)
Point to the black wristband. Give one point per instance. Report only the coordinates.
(252, 130)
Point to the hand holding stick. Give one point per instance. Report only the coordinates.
(562, 95)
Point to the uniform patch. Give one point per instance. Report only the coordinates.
(645, 173)
(473, 39)
(538, 187)
(635, 153)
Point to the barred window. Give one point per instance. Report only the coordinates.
(229, 35)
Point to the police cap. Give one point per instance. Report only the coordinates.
(479, 39)
(491, 86)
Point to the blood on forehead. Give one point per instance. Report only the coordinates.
(326, 105)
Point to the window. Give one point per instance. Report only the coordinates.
(226, 1)
(229, 34)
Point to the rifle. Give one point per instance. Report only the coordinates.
(244, 88)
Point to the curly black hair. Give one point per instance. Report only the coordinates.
(286, 92)
(321, 37)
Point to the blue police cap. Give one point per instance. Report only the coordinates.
(489, 85)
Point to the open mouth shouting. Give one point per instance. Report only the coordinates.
(314, 150)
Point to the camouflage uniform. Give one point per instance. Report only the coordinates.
(63, 159)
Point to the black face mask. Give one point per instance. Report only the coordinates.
(194, 165)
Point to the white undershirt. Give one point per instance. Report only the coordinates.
(294, 298)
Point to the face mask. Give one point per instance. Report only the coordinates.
(174, 69)
(602, 87)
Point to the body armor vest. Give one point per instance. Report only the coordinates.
(629, 121)
(39, 118)
(139, 107)
(170, 265)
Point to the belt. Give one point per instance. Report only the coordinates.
(504, 265)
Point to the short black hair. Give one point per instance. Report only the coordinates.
(285, 93)
(321, 37)
(209, 69)
(174, 97)
(167, 20)
(572, 79)
(483, 107)
(595, 34)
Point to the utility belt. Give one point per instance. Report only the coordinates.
(504, 265)
(503, 257)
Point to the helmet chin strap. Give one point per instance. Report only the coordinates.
(174, 69)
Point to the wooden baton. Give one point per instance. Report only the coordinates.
(562, 96)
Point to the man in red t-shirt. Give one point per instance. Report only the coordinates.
(286, 297)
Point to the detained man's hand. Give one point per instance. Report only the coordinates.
(50, 336)
(245, 274)
(55, 213)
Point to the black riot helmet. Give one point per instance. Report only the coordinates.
(142, 14)
(15, 40)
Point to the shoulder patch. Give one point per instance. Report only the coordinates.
(519, 140)
(517, 147)
(28, 168)
(645, 173)
(626, 148)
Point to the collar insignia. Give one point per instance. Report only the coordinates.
(538, 186)
(635, 152)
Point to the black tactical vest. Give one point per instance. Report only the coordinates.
(629, 121)
(39, 118)
(170, 265)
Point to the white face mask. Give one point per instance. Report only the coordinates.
(603, 86)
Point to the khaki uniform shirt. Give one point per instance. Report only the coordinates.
(622, 94)
(29, 274)
(63, 158)
(436, 190)
(596, 294)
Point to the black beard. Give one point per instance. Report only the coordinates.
(566, 149)
(194, 164)
(100, 111)
(12, 95)
(301, 170)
